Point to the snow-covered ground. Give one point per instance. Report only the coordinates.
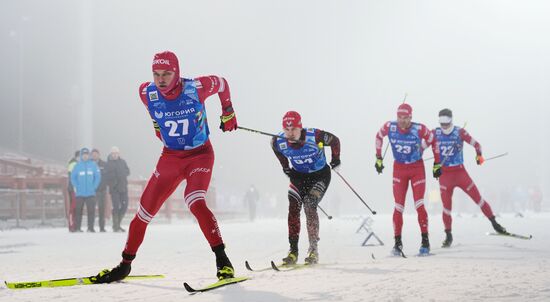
(477, 268)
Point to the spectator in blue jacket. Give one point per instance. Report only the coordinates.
(85, 179)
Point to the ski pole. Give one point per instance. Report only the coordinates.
(259, 132)
(385, 150)
(497, 156)
(320, 145)
(328, 216)
(356, 194)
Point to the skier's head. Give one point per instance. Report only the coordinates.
(292, 125)
(446, 121)
(404, 116)
(446, 118)
(84, 154)
(166, 71)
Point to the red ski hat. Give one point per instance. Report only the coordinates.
(167, 60)
(404, 110)
(292, 119)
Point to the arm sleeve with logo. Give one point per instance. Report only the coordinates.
(465, 136)
(282, 159)
(380, 138)
(143, 97)
(209, 85)
(329, 139)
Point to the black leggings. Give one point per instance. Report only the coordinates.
(306, 189)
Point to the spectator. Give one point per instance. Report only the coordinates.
(251, 198)
(117, 179)
(70, 189)
(101, 190)
(85, 178)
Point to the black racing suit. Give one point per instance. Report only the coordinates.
(307, 189)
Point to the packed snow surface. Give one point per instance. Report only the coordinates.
(478, 267)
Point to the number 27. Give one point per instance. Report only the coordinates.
(174, 127)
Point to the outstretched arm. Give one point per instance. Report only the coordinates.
(465, 136)
(209, 85)
(470, 140)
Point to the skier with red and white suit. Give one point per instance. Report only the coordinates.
(408, 140)
(450, 141)
(177, 108)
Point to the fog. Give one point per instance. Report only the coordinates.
(71, 72)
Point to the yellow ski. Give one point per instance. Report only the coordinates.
(68, 282)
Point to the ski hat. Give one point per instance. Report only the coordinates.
(404, 110)
(292, 119)
(115, 149)
(167, 60)
(445, 116)
(85, 151)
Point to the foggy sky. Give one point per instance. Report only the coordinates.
(344, 65)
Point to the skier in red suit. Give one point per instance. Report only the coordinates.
(177, 108)
(408, 140)
(450, 141)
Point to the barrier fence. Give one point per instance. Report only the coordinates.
(37, 201)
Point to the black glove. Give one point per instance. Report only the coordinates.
(437, 170)
(335, 163)
(379, 165)
(289, 172)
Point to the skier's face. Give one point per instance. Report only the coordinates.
(85, 156)
(95, 156)
(445, 126)
(163, 78)
(293, 133)
(404, 122)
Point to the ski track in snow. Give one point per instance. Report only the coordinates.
(477, 268)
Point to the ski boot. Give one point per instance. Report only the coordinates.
(448, 239)
(498, 228)
(118, 273)
(223, 265)
(225, 268)
(291, 258)
(397, 247)
(425, 246)
(312, 256)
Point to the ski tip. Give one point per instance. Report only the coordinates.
(247, 265)
(189, 288)
(274, 266)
